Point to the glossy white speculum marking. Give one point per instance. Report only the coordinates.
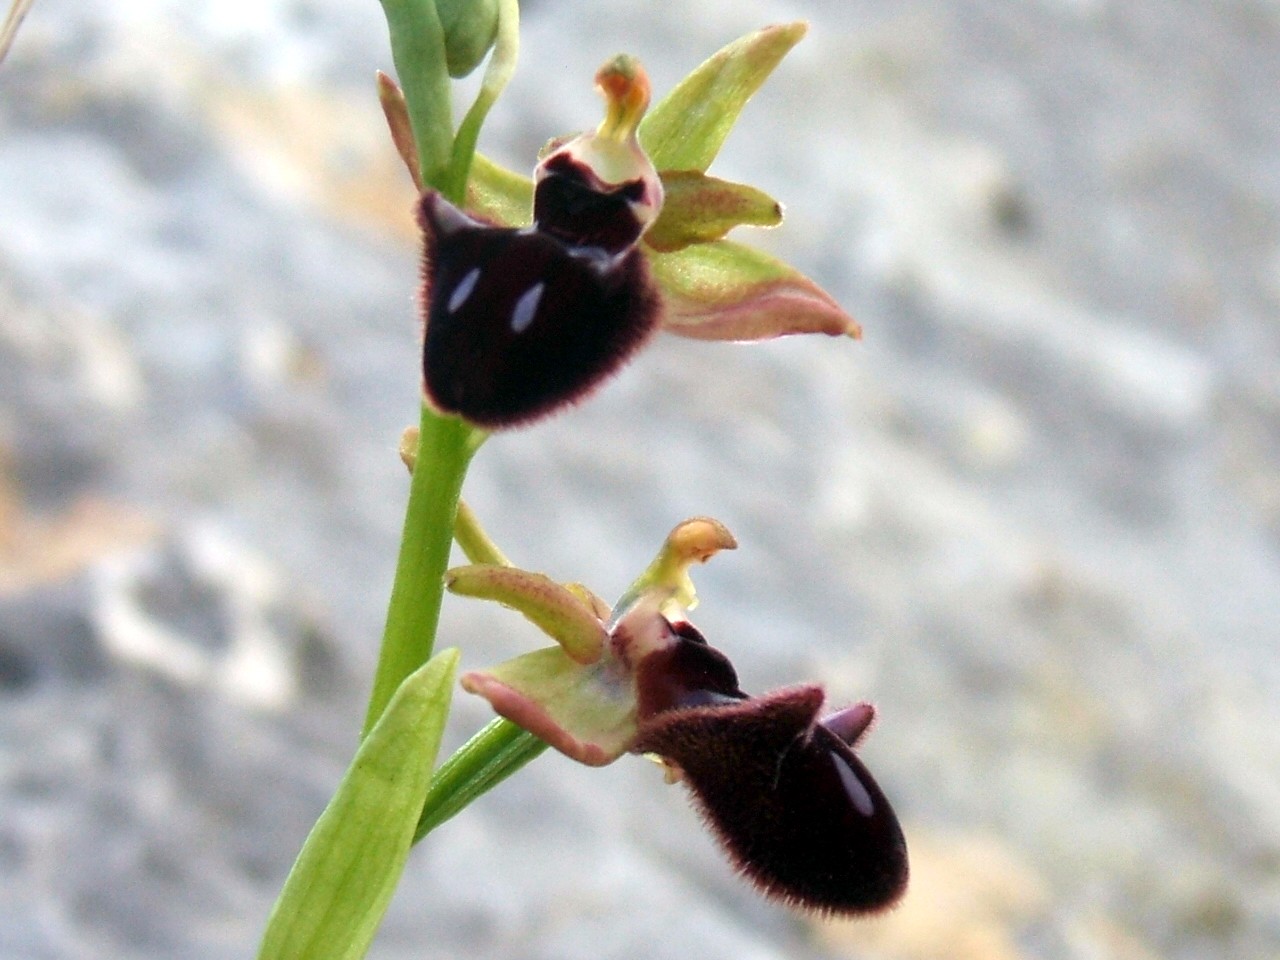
(526, 308)
(853, 786)
(463, 289)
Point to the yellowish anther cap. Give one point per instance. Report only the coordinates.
(666, 581)
(625, 87)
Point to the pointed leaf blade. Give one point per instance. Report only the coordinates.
(342, 882)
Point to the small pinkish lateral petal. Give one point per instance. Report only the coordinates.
(554, 609)
(729, 291)
(397, 113)
(700, 209)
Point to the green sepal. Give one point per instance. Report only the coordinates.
(499, 195)
(686, 130)
(585, 712)
(343, 879)
(698, 209)
(729, 291)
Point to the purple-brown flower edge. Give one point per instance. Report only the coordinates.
(795, 809)
(784, 792)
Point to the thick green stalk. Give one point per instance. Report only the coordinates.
(479, 765)
(445, 448)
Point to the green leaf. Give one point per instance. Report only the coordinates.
(686, 130)
(499, 195)
(698, 209)
(342, 882)
(729, 291)
(476, 767)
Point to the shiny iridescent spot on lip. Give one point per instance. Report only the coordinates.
(485, 358)
(852, 786)
(463, 290)
(791, 803)
(526, 308)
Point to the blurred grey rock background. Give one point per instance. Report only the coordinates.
(1035, 515)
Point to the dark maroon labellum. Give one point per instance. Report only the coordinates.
(520, 322)
(797, 811)
(572, 206)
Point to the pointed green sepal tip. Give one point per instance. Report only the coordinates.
(343, 880)
(552, 608)
(729, 291)
(687, 128)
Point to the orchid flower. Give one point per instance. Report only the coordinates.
(540, 289)
(793, 806)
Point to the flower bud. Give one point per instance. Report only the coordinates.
(470, 27)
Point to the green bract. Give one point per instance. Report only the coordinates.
(340, 886)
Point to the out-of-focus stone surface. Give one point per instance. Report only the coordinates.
(1035, 515)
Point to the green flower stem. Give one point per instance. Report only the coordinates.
(502, 64)
(445, 448)
(479, 765)
(417, 48)
(475, 543)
